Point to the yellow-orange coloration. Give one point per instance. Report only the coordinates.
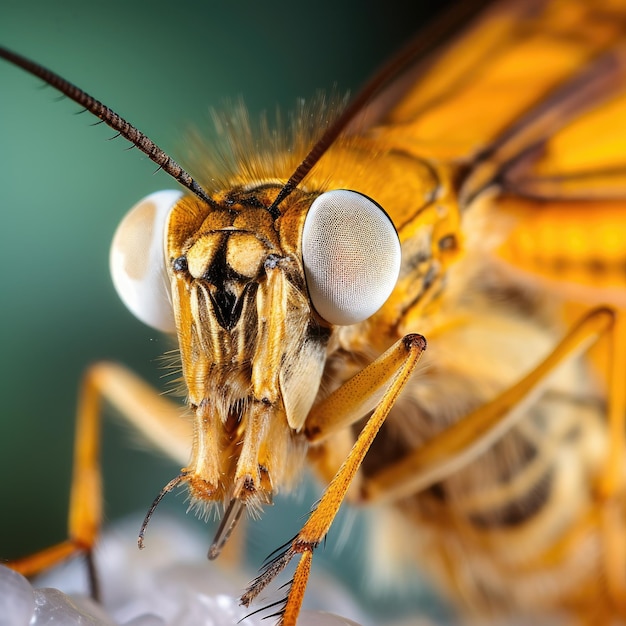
(501, 160)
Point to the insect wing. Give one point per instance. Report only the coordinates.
(531, 98)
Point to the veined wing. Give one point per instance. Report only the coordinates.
(469, 97)
(531, 98)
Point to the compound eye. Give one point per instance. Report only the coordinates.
(351, 256)
(138, 262)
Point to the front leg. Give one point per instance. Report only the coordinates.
(388, 374)
(158, 419)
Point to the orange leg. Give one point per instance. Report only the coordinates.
(461, 443)
(156, 417)
(393, 368)
(610, 487)
(464, 441)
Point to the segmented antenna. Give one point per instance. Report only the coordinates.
(112, 119)
(417, 48)
(171, 485)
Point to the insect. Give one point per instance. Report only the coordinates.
(99, 323)
(505, 448)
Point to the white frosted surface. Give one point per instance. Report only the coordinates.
(17, 601)
(167, 584)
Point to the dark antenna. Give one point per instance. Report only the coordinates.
(416, 48)
(112, 119)
(171, 485)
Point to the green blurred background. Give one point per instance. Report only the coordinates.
(64, 187)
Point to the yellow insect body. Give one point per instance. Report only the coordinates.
(500, 159)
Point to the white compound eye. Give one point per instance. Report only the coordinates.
(351, 255)
(137, 261)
